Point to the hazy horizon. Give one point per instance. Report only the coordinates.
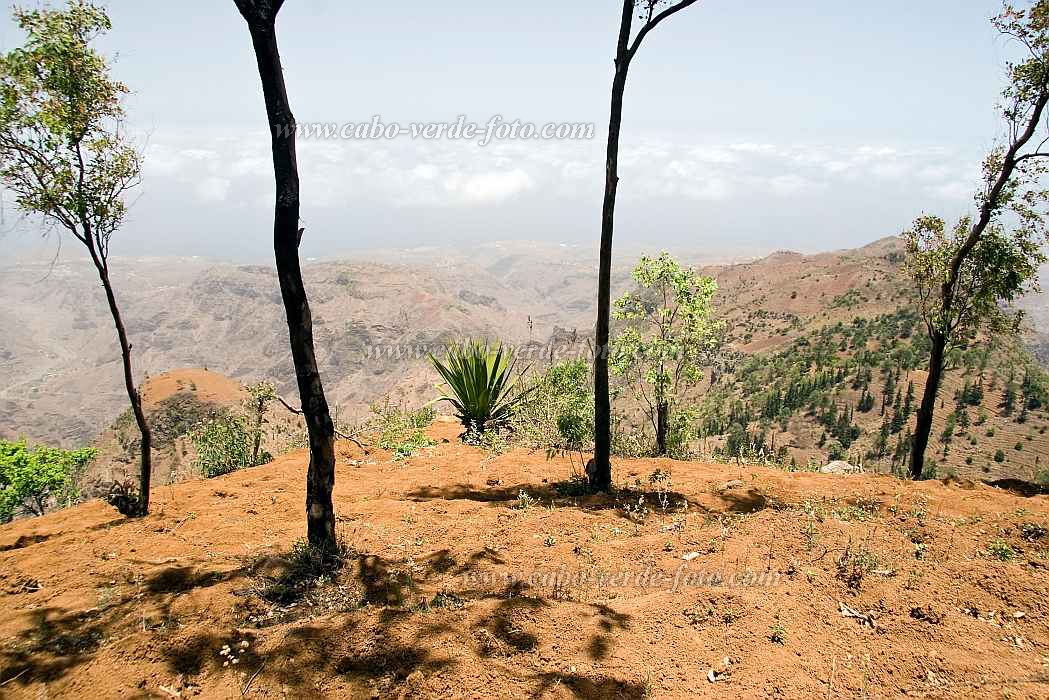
(740, 132)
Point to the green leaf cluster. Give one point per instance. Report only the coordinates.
(63, 153)
(30, 478)
(479, 384)
(224, 444)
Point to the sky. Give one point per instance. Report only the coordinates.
(749, 126)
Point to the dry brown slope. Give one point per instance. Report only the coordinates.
(100, 606)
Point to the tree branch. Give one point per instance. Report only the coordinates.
(338, 433)
(653, 22)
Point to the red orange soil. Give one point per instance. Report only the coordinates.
(93, 605)
(211, 387)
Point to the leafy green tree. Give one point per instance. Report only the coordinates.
(964, 274)
(31, 478)
(669, 336)
(260, 395)
(866, 402)
(63, 154)
(1009, 399)
(651, 13)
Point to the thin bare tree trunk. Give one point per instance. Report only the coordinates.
(600, 474)
(320, 480)
(134, 396)
(260, 409)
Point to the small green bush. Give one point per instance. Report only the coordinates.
(401, 429)
(557, 412)
(31, 478)
(224, 444)
(999, 456)
(1001, 550)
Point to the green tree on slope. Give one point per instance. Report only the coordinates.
(63, 153)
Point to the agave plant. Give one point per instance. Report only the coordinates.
(479, 383)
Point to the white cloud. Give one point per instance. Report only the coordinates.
(426, 171)
(957, 190)
(790, 185)
(406, 173)
(489, 187)
(213, 189)
(766, 149)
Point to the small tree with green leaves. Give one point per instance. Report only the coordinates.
(224, 445)
(668, 338)
(63, 154)
(260, 396)
(966, 273)
(30, 479)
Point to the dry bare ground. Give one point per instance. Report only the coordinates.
(459, 586)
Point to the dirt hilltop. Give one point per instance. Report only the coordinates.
(475, 575)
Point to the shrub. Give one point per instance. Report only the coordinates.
(479, 379)
(123, 495)
(401, 429)
(1000, 550)
(1042, 479)
(224, 445)
(407, 448)
(999, 456)
(306, 567)
(558, 409)
(855, 563)
(31, 478)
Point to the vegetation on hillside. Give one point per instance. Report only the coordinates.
(64, 154)
(34, 478)
(968, 274)
(480, 385)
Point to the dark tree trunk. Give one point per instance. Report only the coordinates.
(133, 395)
(662, 427)
(601, 473)
(925, 412)
(320, 480)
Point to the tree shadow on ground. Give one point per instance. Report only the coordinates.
(561, 494)
(609, 622)
(383, 652)
(1019, 487)
(372, 653)
(746, 501)
(59, 640)
(598, 687)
